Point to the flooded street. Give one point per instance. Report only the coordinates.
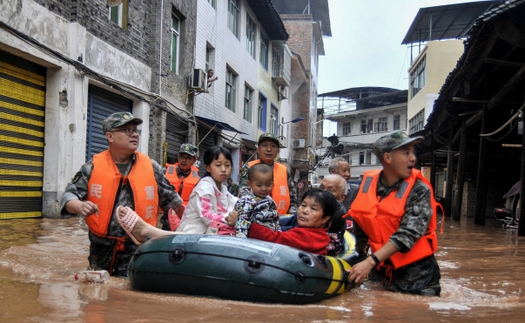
(482, 281)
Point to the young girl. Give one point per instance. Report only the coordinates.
(313, 216)
(210, 202)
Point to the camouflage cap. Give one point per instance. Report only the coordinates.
(189, 149)
(394, 140)
(119, 119)
(267, 136)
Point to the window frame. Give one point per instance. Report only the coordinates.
(119, 14)
(233, 19)
(274, 120)
(262, 104)
(381, 125)
(418, 77)
(347, 128)
(396, 122)
(175, 41)
(417, 123)
(230, 89)
(363, 125)
(248, 103)
(251, 35)
(264, 50)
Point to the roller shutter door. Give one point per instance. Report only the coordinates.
(101, 104)
(176, 134)
(22, 112)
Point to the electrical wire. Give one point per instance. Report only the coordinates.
(516, 115)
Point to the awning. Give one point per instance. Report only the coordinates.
(219, 124)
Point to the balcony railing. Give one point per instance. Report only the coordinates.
(281, 63)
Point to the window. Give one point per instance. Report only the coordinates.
(210, 57)
(369, 125)
(175, 41)
(263, 55)
(361, 158)
(248, 98)
(274, 120)
(346, 128)
(417, 77)
(119, 14)
(231, 80)
(233, 16)
(250, 35)
(417, 122)
(380, 125)
(368, 157)
(363, 126)
(397, 122)
(213, 3)
(277, 56)
(261, 112)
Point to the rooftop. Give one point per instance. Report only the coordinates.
(445, 22)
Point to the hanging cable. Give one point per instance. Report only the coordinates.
(516, 115)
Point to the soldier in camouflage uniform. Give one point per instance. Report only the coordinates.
(268, 149)
(416, 274)
(109, 253)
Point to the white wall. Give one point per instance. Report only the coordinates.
(212, 28)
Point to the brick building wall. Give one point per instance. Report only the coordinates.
(299, 28)
(171, 85)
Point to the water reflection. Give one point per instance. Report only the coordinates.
(481, 281)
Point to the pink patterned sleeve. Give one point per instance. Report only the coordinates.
(207, 210)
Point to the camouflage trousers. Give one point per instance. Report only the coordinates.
(420, 278)
(101, 252)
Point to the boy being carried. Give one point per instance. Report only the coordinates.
(258, 206)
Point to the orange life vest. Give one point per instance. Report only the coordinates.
(280, 191)
(187, 183)
(104, 184)
(380, 219)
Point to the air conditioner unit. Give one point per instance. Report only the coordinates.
(298, 143)
(199, 80)
(284, 93)
(282, 141)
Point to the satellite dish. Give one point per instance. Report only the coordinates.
(114, 3)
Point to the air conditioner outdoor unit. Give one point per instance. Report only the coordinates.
(282, 142)
(198, 80)
(298, 143)
(284, 93)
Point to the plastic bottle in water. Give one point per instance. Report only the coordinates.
(93, 276)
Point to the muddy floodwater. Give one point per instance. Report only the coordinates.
(482, 271)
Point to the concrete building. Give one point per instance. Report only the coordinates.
(436, 35)
(68, 65)
(307, 22)
(243, 41)
(427, 74)
(363, 115)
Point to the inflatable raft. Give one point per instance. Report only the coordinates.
(239, 269)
